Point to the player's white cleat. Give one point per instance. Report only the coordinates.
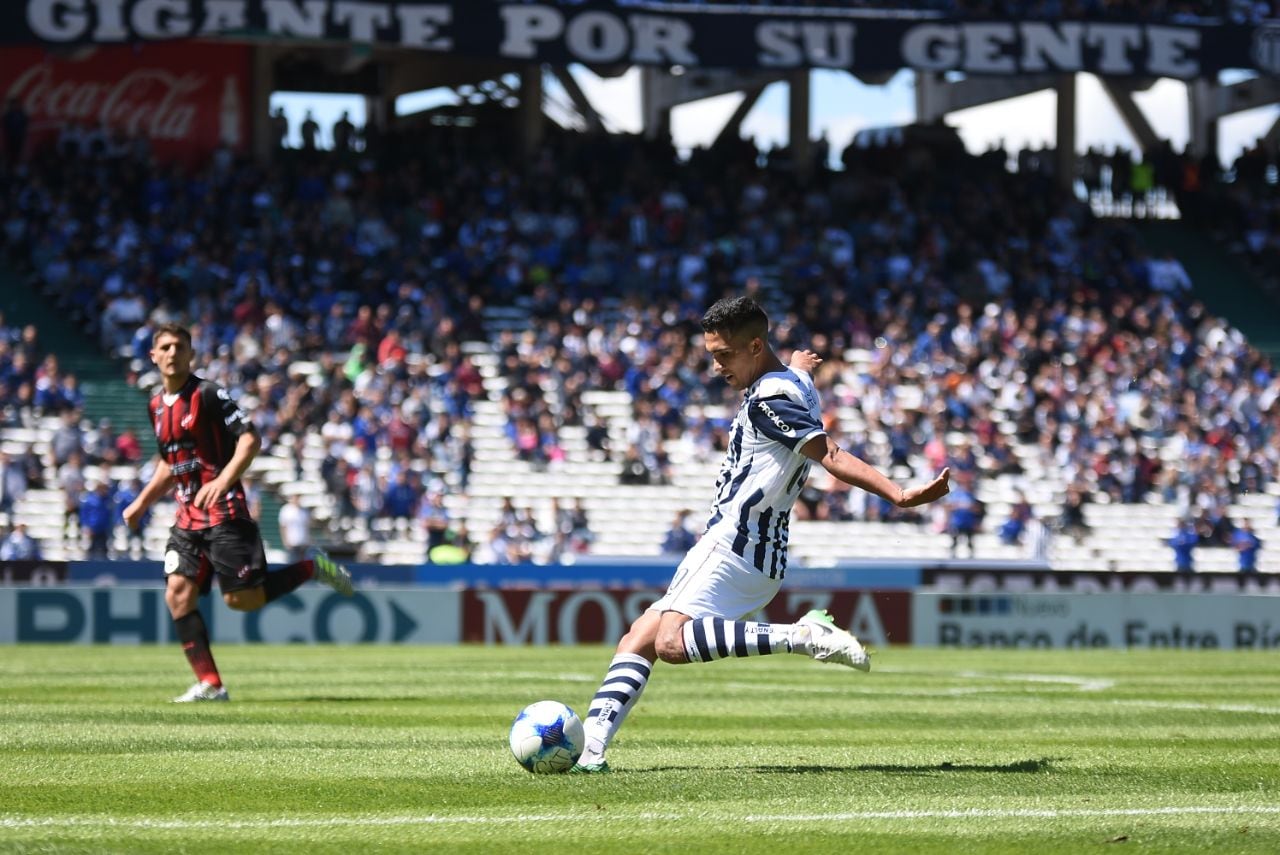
(202, 691)
(830, 643)
(331, 572)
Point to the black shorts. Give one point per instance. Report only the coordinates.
(233, 550)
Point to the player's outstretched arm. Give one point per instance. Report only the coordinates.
(161, 481)
(804, 360)
(856, 472)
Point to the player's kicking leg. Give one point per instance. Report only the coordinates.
(677, 638)
(710, 638)
(237, 544)
(331, 573)
(208, 686)
(707, 582)
(827, 642)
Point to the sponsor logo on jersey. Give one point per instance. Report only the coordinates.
(185, 466)
(774, 417)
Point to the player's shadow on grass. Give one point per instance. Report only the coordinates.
(1044, 764)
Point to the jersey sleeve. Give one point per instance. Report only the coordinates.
(784, 420)
(153, 418)
(227, 413)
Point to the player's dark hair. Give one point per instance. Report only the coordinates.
(731, 317)
(171, 329)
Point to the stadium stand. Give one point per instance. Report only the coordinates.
(441, 330)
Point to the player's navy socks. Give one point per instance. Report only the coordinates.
(194, 636)
(707, 639)
(287, 579)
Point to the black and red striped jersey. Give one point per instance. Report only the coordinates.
(197, 428)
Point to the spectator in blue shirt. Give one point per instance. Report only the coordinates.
(98, 517)
(1020, 514)
(20, 546)
(679, 539)
(435, 519)
(1246, 544)
(962, 513)
(1184, 542)
(401, 498)
(124, 498)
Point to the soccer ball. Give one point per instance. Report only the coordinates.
(547, 737)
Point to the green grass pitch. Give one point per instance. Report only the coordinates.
(383, 749)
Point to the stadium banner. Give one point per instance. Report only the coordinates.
(659, 34)
(1188, 621)
(185, 99)
(33, 572)
(575, 616)
(982, 580)
(144, 572)
(630, 572)
(136, 615)
(624, 574)
(131, 615)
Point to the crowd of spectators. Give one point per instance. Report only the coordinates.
(32, 389)
(31, 382)
(337, 297)
(1244, 215)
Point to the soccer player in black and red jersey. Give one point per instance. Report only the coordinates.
(206, 444)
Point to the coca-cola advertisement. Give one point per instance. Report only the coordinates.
(185, 98)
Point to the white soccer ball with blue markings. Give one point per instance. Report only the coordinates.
(547, 737)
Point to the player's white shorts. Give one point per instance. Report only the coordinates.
(713, 581)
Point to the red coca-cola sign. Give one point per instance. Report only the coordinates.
(185, 97)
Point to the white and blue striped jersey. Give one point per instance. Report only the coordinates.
(764, 469)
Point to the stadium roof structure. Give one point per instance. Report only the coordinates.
(685, 52)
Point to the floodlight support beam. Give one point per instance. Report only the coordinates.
(936, 96)
(799, 111)
(581, 103)
(1202, 117)
(262, 82)
(1134, 119)
(661, 89)
(531, 118)
(733, 127)
(1065, 147)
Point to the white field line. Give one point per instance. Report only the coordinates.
(1194, 705)
(1084, 684)
(997, 683)
(55, 822)
(862, 689)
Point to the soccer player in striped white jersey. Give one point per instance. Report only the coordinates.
(738, 565)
